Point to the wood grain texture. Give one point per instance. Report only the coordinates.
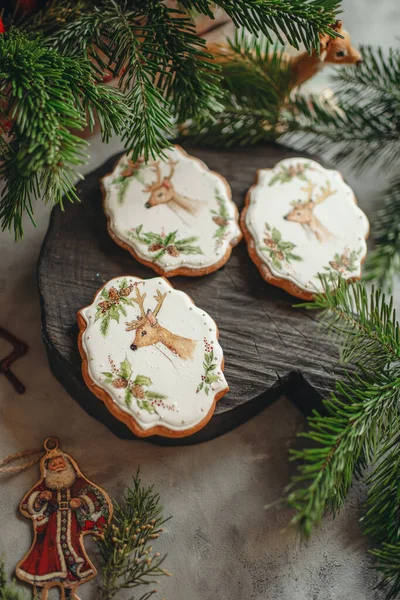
(270, 347)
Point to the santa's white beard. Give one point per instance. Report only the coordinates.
(62, 480)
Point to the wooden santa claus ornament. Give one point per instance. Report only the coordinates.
(63, 507)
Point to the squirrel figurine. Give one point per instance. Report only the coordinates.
(304, 66)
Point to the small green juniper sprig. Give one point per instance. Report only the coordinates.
(126, 547)
(360, 426)
(8, 591)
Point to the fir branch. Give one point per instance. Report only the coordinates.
(365, 323)
(163, 67)
(164, 74)
(126, 549)
(364, 408)
(358, 417)
(383, 263)
(361, 426)
(47, 96)
(256, 82)
(382, 520)
(299, 20)
(388, 564)
(364, 125)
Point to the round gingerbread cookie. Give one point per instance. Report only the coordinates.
(302, 220)
(173, 214)
(152, 356)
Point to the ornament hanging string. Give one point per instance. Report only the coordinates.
(14, 470)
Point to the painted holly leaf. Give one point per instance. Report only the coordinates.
(125, 369)
(211, 378)
(142, 380)
(276, 235)
(108, 376)
(286, 246)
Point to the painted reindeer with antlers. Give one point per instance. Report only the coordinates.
(149, 332)
(303, 212)
(163, 192)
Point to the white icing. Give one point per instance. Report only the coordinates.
(170, 375)
(338, 214)
(126, 209)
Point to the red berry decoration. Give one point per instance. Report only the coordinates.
(2, 28)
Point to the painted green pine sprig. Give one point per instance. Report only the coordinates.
(210, 365)
(113, 305)
(221, 218)
(162, 244)
(286, 174)
(133, 169)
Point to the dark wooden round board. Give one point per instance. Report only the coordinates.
(270, 347)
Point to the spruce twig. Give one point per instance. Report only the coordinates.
(50, 96)
(388, 564)
(362, 425)
(256, 84)
(126, 551)
(383, 263)
(164, 71)
(363, 126)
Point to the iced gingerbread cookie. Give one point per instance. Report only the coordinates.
(173, 214)
(301, 220)
(152, 356)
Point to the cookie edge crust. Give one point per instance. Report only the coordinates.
(114, 409)
(288, 286)
(185, 271)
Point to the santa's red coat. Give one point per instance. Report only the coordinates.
(58, 553)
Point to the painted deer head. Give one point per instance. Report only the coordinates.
(303, 212)
(162, 191)
(149, 332)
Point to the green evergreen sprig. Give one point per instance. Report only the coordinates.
(51, 82)
(360, 425)
(8, 591)
(362, 126)
(382, 520)
(383, 263)
(388, 564)
(299, 21)
(256, 82)
(126, 547)
(42, 155)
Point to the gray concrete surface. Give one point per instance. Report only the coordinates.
(221, 543)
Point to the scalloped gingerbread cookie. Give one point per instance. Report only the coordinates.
(152, 356)
(302, 220)
(173, 214)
